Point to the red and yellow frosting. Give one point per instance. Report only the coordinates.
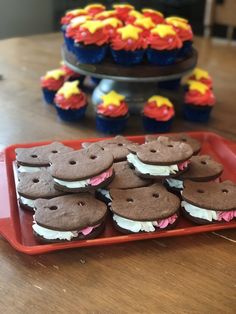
(70, 96)
(111, 25)
(159, 108)
(199, 94)
(72, 14)
(54, 79)
(156, 16)
(145, 23)
(202, 76)
(132, 16)
(182, 28)
(105, 15)
(123, 10)
(95, 8)
(68, 72)
(74, 25)
(164, 37)
(113, 105)
(92, 32)
(128, 38)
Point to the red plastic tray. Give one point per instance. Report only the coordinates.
(16, 224)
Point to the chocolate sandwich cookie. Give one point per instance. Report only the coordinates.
(125, 178)
(160, 159)
(82, 170)
(209, 202)
(180, 137)
(69, 217)
(116, 145)
(201, 169)
(144, 209)
(34, 185)
(36, 158)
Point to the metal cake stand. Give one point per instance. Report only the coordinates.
(137, 83)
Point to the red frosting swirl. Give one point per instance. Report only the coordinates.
(162, 113)
(194, 97)
(95, 10)
(72, 31)
(184, 34)
(110, 30)
(130, 44)
(113, 111)
(69, 72)
(122, 13)
(66, 19)
(156, 18)
(168, 42)
(206, 81)
(99, 37)
(73, 102)
(51, 83)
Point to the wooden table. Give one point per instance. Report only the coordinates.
(192, 274)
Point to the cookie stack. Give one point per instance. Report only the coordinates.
(143, 187)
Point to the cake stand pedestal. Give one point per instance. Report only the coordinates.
(136, 83)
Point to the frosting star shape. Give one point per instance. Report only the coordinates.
(160, 101)
(69, 88)
(146, 10)
(200, 73)
(114, 22)
(146, 22)
(112, 98)
(163, 30)
(198, 86)
(92, 26)
(129, 31)
(176, 18)
(55, 74)
(179, 24)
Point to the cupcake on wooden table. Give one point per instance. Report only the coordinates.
(112, 113)
(91, 42)
(198, 102)
(184, 30)
(71, 102)
(156, 16)
(128, 45)
(201, 76)
(122, 10)
(51, 82)
(164, 45)
(158, 114)
(94, 8)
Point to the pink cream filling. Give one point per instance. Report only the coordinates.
(163, 223)
(101, 177)
(183, 165)
(226, 215)
(88, 230)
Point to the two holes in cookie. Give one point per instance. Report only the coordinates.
(55, 207)
(130, 200)
(223, 191)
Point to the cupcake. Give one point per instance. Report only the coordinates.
(51, 82)
(71, 75)
(111, 25)
(72, 29)
(185, 33)
(198, 102)
(65, 20)
(158, 114)
(164, 45)
(95, 8)
(105, 15)
(132, 16)
(71, 102)
(156, 16)
(146, 24)
(112, 113)
(91, 42)
(202, 76)
(122, 10)
(128, 45)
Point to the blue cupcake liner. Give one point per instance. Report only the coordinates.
(49, 95)
(69, 42)
(111, 125)
(127, 58)
(162, 57)
(195, 113)
(185, 49)
(63, 29)
(153, 126)
(90, 53)
(71, 115)
(170, 85)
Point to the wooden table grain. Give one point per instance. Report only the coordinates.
(191, 274)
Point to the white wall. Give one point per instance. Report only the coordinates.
(25, 17)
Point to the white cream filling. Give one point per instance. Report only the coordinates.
(27, 201)
(54, 234)
(30, 169)
(105, 193)
(134, 226)
(72, 184)
(173, 183)
(199, 212)
(151, 169)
